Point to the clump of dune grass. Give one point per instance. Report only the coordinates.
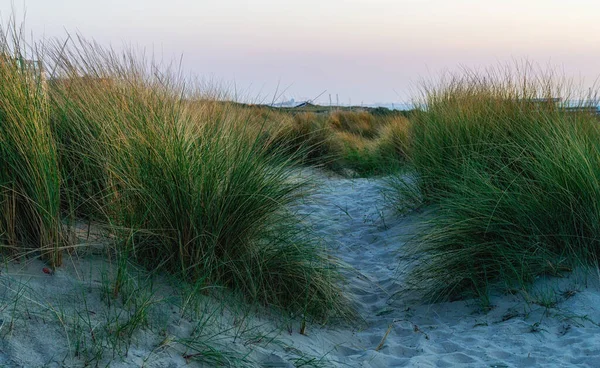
(355, 143)
(29, 174)
(382, 154)
(186, 187)
(358, 154)
(393, 139)
(80, 135)
(514, 178)
(307, 137)
(356, 122)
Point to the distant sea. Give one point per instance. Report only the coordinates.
(394, 105)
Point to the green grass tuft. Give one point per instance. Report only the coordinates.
(30, 177)
(515, 182)
(188, 187)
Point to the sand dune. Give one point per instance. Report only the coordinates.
(43, 316)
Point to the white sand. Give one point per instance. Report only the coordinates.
(38, 329)
(513, 334)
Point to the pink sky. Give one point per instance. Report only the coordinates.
(365, 51)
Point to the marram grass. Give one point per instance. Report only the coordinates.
(356, 142)
(29, 173)
(185, 182)
(514, 180)
(188, 187)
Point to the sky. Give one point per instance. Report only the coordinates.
(356, 51)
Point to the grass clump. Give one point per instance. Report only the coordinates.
(393, 140)
(306, 137)
(30, 178)
(383, 154)
(356, 122)
(80, 133)
(515, 180)
(187, 187)
(359, 155)
(177, 182)
(355, 143)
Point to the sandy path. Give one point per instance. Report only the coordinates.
(351, 216)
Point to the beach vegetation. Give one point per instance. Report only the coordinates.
(512, 176)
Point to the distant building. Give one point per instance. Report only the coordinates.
(290, 103)
(293, 104)
(305, 104)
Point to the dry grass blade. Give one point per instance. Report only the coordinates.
(382, 343)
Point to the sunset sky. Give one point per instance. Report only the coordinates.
(365, 51)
